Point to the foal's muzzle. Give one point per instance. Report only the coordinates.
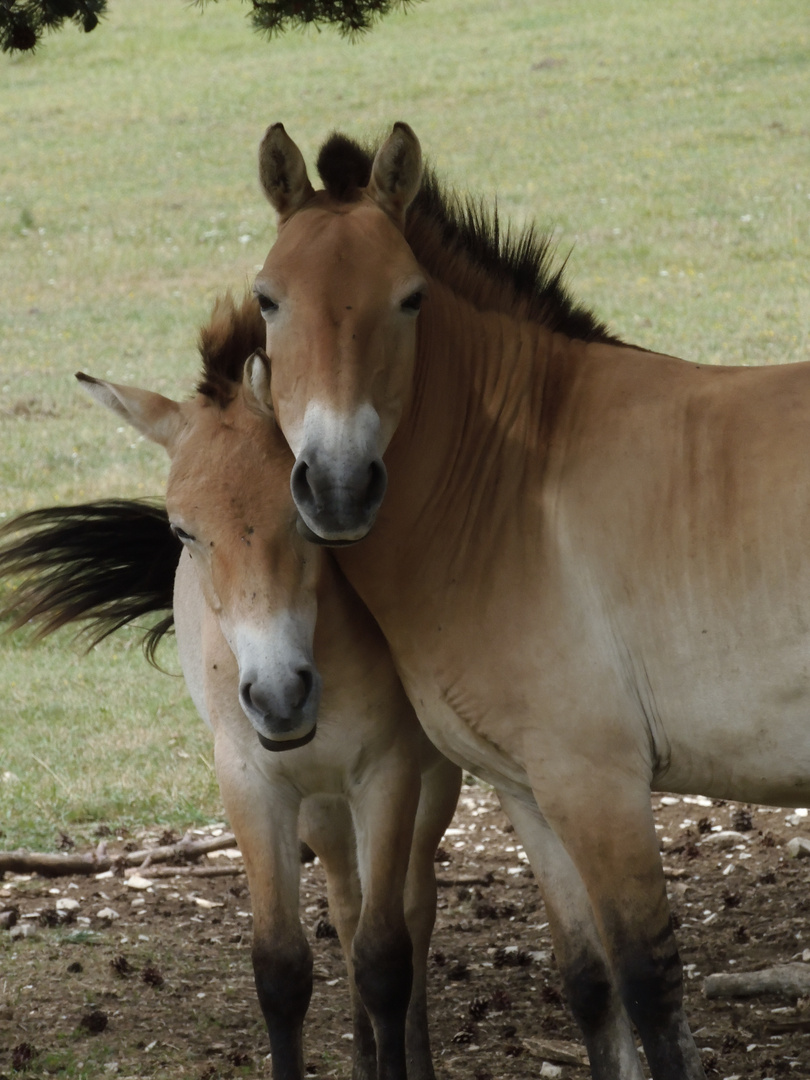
(337, 503)
(284, 711)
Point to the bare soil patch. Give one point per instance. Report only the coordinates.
(165, 989)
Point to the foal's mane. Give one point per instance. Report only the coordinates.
(459, 241)
(232, 334)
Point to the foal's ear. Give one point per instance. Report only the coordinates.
(282, 172)
(158, 418)
(256, 382)
(397, 172)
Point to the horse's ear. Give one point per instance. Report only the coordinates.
(256, 382)
(158, 418)
(397, 172)
(282, 172)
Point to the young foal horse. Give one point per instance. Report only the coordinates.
(589, 561)
(369, 793)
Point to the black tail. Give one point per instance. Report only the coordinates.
(102, 564)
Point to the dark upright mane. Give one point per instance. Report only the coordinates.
(231, 335)
(460, 242)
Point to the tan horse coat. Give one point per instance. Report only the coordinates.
(590, 562)
(256, 608)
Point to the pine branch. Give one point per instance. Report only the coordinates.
(24, 22)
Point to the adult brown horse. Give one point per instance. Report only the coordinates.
(590, 560)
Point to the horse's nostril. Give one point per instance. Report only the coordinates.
(299, 484)
(306, 682)
(377, 482)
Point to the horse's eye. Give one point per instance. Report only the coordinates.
(412, 302)
(266, 304)
(182, 535)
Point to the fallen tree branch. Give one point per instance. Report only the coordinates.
(786, 980)
(449, 883)
(98, 862)
(556, 1051)
(788, 1027)
(184, 850)
(186, 871)
(21, 862)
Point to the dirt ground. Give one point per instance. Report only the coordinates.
(165, 989)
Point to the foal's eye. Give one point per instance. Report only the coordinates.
(182, 535)
(267, 305)
(412, 302)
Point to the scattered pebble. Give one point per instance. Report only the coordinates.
(138, 882)
(798, 847)
(22, 930)
(551, 1071)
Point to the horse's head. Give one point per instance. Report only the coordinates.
(340, 292)
(229, 503)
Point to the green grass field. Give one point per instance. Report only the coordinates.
(667, 146)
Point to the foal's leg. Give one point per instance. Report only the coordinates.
(441, 781)
(588, 980)
(384, 809)
(264, 818)
(604, 818)
(326, 825)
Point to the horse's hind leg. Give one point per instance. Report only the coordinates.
(265, 823)
(583, 963)
(326, 825)
(437, 803)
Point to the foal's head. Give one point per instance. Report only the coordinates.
(228, 501)
(340, 292)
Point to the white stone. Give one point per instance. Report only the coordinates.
(547, 1069)
(138, 882)
(67, 903)
(22, 930)
(798, 847)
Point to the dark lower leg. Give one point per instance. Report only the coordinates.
(383, 973)
(589, 983)
(284, 987)
(420, 917)
(651, 983)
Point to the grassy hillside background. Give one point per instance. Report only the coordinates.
(667, 147)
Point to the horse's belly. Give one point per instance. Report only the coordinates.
(453, 735)
(745, 738)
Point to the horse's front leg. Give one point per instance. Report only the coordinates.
(589, 984)
(384, 809)
(600, 809)
(326, 825)
(264, 818)
(441, 782)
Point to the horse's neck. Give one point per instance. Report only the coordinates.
(463, 455)
(475, 414)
